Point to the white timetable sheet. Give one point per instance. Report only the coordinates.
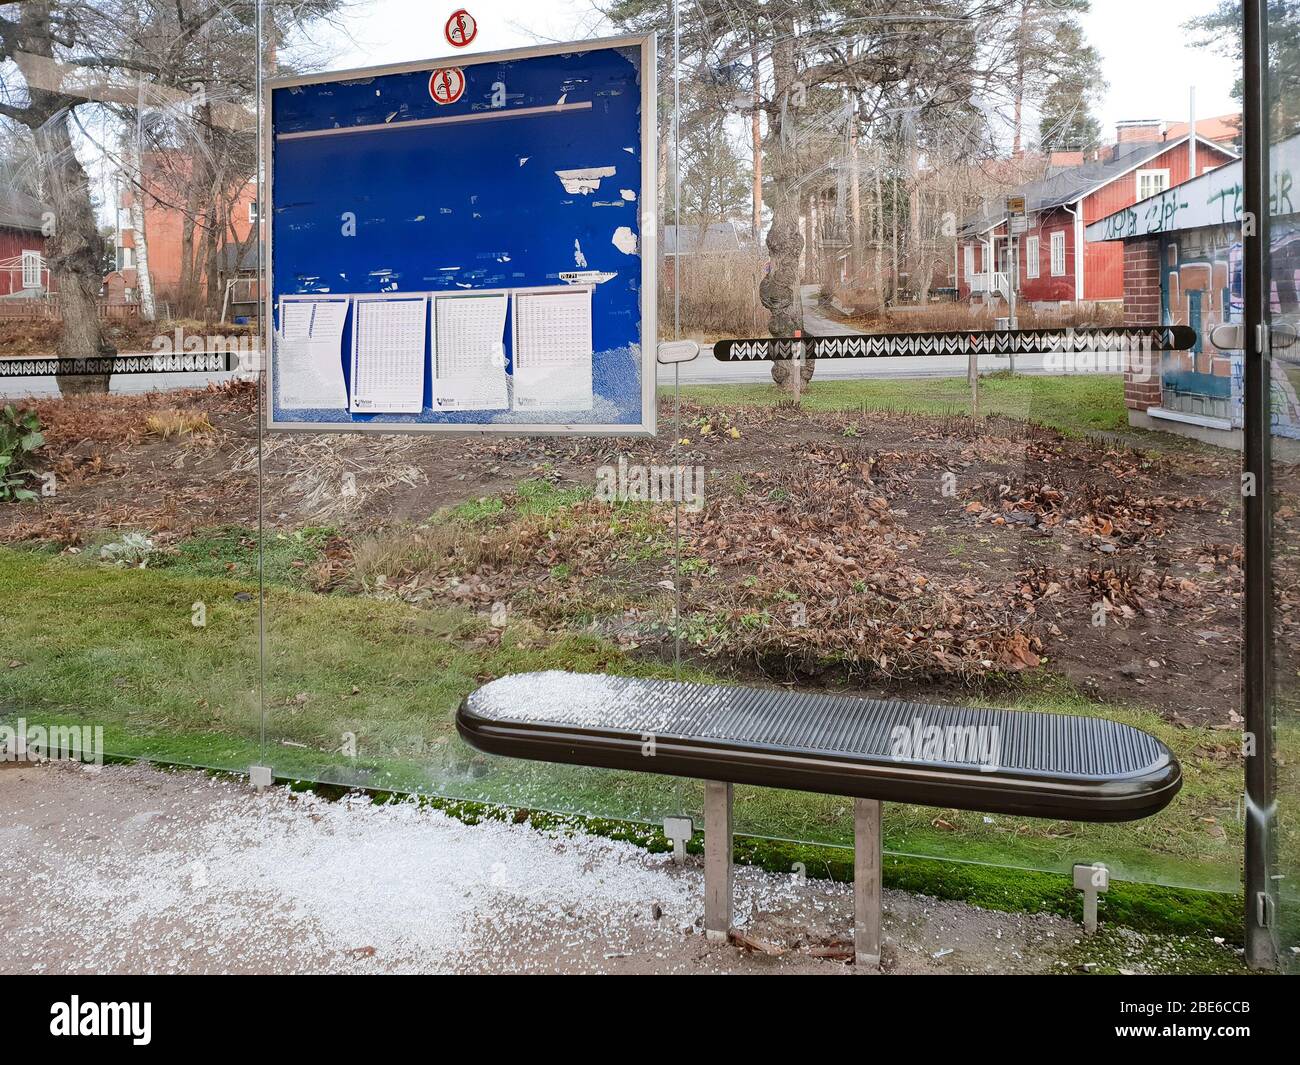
(295, 319)
(468, 352)
(552, 350)
(388, 355)
(310, 346)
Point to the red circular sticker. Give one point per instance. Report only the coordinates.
(446, 85)
(461, 28)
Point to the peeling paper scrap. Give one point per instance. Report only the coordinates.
(587, 277)
(627, 194)
(625, 240)
(586, 180)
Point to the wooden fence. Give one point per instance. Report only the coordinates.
(37, 310)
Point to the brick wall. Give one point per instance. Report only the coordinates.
(1142, 307)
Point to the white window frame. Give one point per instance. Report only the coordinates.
(968, 260)
(252, 212)
(1031, 257)
(32, 267)
(1058, 253)
(1161, 177)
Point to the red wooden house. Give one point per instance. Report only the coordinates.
(24, 271)
(1055, 264)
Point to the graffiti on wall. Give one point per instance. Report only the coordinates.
(1215, 198)
(1201, 287)
(1179, 208)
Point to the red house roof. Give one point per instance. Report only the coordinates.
(20, 211)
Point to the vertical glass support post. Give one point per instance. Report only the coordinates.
(1261, 924)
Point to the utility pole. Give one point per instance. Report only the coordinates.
(1016, 224)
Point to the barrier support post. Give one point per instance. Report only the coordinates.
(717, 860)
(866, 882)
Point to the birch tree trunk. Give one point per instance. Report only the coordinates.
(878, 233)
(855, 199)
(135, 164)
(756, 141)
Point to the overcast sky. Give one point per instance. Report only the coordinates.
(1146, 56)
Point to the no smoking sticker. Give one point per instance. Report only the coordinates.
(461, 28)
(447, 85)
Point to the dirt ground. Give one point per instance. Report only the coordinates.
(918, 551)
(135, 869)
(40, 336)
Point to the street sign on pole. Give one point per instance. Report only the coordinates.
(1017, 223)
(1017, 220)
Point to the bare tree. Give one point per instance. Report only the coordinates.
(195, 61)
(855, 94)
(74, 248)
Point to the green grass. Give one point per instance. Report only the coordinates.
(116, 646)
(1078, 403)
(231, 551)
(539, 496)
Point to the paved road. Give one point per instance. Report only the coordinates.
(19, 387)
(704, 370)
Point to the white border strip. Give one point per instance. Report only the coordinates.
(518, 112)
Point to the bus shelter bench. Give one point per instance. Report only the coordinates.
(992, 761)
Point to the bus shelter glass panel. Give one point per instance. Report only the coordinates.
(972, 508)
(129, 417)
(1043, 525)
(1284, 135)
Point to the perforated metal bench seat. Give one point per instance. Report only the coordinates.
(1039, 765)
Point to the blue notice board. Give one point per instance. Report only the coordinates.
(465, 244)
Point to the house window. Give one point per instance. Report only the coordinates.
(1058, 253)
(252, 211)
(31, 269)
(1151, 182)
(1031, 256)
(970, 260)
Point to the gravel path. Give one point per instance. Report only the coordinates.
(136, 869)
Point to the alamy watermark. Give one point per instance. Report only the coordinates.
(245, 347)
(22, 742)
(1103, 352)
(133, 1020)
(919, 742)
(632, 483)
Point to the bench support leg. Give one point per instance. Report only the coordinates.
(717, 860)
(866, 881)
